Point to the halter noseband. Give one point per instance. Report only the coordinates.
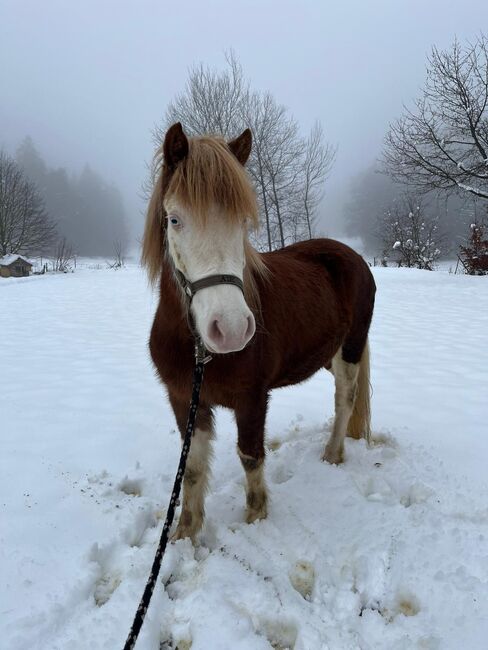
(190, 289)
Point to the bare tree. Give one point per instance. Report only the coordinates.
(211, 101)
(64, 257)
(410, 237)
(473, 255)
(119, 256)
(287, 170)
(443, 142)
(24, 223)
(274, 165)
(316, 165)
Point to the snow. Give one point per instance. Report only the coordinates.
(388, 551)
(6, 260)
(471, 189)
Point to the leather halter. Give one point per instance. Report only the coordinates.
(202, 355)
(190, 288)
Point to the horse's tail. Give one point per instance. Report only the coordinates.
(360, 420)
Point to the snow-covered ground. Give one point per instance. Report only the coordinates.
(388, 551)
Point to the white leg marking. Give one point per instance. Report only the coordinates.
(256, 492)
(195, 485)
(346, 379)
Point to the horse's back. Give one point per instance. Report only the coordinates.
(339, 259)
(332, 286)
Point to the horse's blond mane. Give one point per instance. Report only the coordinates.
(153, 239)
(209, 176)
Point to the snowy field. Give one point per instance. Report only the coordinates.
(388, 551)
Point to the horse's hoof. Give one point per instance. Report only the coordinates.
(256, 515)
(182, 532)
(333, 456)
(186, 529)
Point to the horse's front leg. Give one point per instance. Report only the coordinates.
(195, 483)
(250, 418)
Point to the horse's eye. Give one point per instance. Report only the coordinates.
(174, 221)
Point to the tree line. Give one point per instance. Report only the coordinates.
(430, 185)
(44, 210)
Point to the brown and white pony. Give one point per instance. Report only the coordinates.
(304, 307)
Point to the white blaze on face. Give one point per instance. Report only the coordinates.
(222, 317)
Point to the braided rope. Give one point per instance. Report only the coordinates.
(185, 450)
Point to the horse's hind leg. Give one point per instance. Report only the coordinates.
(195, 482)
(346, 386)
(250, 418)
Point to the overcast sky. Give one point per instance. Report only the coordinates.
(89, 79)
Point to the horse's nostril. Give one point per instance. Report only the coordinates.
(251, 327)
(215, 333)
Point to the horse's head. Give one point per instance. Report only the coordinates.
(208, 205)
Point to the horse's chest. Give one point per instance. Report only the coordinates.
(174, 361)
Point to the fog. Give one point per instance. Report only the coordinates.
(88, 81)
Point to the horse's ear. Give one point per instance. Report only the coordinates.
(241, 146)
(175, 146)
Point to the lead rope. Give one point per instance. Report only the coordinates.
(201, 358)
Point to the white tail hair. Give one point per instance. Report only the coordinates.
(360, 421)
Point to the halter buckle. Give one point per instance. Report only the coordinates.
(201, 353)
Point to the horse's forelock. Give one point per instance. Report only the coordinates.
(211, 176)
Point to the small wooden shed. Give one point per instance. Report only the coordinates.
(14, 266)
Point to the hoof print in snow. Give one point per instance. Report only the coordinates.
(104, 588)
(172, 590)
(374, 488)
(132, 487)
(134, 533)
(274, 445)
(169, 644)
(281, 634)
(394, 490)
(183, 644)
(405, 604)
(383, 440)
(408, 607)
(282, 474)
(302, 578)
(416, 493)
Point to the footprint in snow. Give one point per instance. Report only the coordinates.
(281, 474)
(302, 578)
(402, 490)
(405, 603)
(132, 487)
(281, 633)
(104, 588)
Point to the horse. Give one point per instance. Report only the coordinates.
(268, 319)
